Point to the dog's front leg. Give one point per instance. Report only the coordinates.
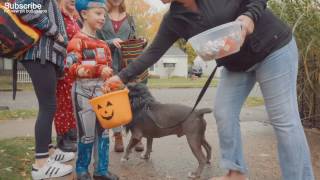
(131, 144)
(146, 155)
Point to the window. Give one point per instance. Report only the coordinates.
(169, 65)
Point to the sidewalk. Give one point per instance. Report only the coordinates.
(171, 158)
(17, 128)
(25, 127)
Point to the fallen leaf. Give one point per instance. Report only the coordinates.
(9, 169)
(23, 174)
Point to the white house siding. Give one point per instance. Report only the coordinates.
(7, 64)
(173, 56)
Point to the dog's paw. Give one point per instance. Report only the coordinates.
(193, 175)
(145, 156)
(124, 159)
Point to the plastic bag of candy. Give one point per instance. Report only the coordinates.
(218, 42)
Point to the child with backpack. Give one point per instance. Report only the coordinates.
(39, 41)
(91, 61)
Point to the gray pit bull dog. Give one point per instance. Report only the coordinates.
(152, 119)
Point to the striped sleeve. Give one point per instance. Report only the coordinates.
(74, 55)
(39, 20)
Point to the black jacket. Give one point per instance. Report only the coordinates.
(270, 32)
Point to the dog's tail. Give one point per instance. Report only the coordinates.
(203, 111)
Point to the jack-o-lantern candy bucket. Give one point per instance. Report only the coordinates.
(113, 109)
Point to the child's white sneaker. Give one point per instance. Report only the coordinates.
(51, 169)
(61, 156)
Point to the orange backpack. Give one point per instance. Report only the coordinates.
(16, 37)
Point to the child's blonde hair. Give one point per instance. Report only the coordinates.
(75, 13)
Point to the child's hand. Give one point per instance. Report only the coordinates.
(59, 38)
(71, 59)
(86, 71)
(112, 84)
(106, 72)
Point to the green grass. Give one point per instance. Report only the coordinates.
(18, 114)
(17, 155)
(16, 158)
(178, 82)
(175, 82)
(6, 84)
(254, 101)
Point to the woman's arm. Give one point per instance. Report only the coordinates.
(39, 20)
(254, 9)
(163, 41)
(251, 15)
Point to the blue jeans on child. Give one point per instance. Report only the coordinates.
(277, 77)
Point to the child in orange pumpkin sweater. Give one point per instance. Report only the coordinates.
(89, 59)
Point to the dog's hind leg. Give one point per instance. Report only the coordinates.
(146, 155)
(133, 141)
(208, 149)
(206, 145)
(194, 141)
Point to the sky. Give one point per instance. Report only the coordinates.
(157, 4)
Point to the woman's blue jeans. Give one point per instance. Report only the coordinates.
(277, 77)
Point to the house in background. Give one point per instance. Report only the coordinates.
(5, 66)
(174, 63)
(6, 69)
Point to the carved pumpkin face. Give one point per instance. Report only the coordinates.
(106, 112)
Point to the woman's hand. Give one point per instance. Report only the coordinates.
(112, 84)
(60, 38)
(247, 26)
(116, 42)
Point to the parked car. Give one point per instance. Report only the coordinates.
(196, 70)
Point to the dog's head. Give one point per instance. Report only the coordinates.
(139, 96)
